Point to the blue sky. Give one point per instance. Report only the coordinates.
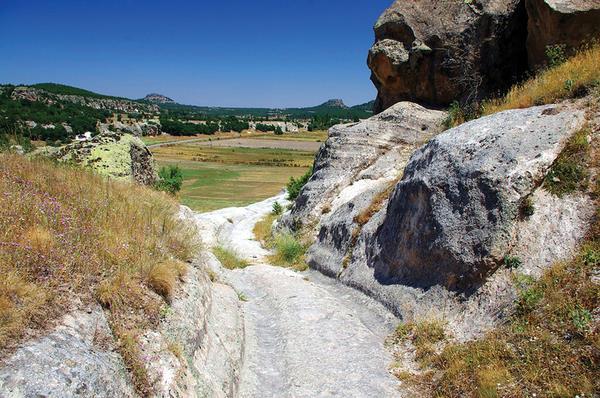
(270, 53)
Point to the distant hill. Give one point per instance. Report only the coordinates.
(62, 89)
(334, 103)
(334, 108)
(158, 99)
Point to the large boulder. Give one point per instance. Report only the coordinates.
(451, 220)
(115, 155)
(569, 23)
(435, 52)
(363, 156)
(430, 244)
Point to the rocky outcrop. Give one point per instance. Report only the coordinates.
(567, 23)
(158, 99)
(435, 52)
(362, 157)
(195, 352)
(97, 102)
(137, 128)
(115, 155)
(451, 220)
(77, 359)
(334, 103)
(431, 244)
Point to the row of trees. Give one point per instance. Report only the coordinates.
(177, 127)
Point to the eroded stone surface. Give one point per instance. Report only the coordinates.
(75, 360)
(451, 219)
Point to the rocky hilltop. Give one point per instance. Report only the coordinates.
(107, 103)
(334, 103)
(438, 52)
(158, 99)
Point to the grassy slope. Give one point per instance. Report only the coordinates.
(572, 78)
(68, 235)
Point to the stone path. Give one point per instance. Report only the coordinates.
(306, 335)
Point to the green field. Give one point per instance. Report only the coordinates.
(218, 177)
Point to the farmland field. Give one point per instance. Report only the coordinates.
(239, 173)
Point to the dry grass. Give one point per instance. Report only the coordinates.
(68, 235)
(550, 347)
(163, 277)
(572, 78)
(263, 230)
(377, 203)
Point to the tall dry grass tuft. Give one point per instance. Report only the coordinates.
(567, 80)
(66, 233)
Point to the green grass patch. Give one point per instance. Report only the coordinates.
(229, 258)
(289, 251)
(569, 172)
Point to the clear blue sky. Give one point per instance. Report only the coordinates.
(271, 53)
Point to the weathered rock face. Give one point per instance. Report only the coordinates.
(79, 358)
(76, 359)
(435, 52)
(362, 157)
(451, 219)
(560, 22)
(115, 155)
(418, 244)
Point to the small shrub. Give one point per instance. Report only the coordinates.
(277, 209)
(556, 55)
(527, 207)
(288, 247)
(296, 184)
(456, 116)
(512, 261)
(529, 298)
(581, 319)
(228, 258)
(170, 179)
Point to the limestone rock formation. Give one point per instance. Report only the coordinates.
(431, 243)
(435, 52)
(76, 359)
(107, 103)
(452, 218)
(560, 22)
(363, 156)
(115, 155)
